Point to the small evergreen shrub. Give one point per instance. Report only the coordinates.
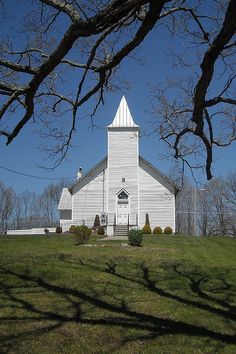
(146, 229)
(168, 230)
(96, 221)
(72, 229)
(82, 234)
(101, 231)
(46, 231)
(59, 230)
(135, 237)
(147, 222)
(157, 230)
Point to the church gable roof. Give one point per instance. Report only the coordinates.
(102, 165)
(123, 118)
(165, 181)
(65, 202)
(87, 177)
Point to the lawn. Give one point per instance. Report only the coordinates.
(173, 295)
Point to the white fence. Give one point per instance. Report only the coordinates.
(35, 231)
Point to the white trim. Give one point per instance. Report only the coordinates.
(123, 189)
(72, 213)
(108, 167)
(138, 178)
(174, 214)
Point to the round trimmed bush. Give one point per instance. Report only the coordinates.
(59, 230)
(72, 229)
(101, 231)
(146, 229)
(168, 230)
(157, 230)
(82, 234)
(135, 237)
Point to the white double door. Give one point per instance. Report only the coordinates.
(122, 213)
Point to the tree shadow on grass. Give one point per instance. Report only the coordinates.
(196, 279)
(117, 312)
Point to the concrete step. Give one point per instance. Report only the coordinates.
(121, 230)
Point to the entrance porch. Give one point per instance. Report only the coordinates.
(116, 228)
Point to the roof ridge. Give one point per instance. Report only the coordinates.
(87, 173)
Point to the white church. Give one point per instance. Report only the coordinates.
(122, 188)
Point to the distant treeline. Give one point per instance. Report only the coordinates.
(28, 209)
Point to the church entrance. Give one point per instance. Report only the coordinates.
(122, 213)
(122, 208)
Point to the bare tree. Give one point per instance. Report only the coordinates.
(220, 210)
(185, 209)
(205, 213)
(89, 40)
(230, 192)
(191, 108)
(49, 201)
(209, 211)
(7, 198)
(26, 212)
(32, 210)
(230, 197)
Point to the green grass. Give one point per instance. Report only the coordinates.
(173, 295)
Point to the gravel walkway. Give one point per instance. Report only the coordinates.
(114, 238)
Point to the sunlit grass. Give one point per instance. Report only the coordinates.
(173, 295)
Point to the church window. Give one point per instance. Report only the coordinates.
(122, 195)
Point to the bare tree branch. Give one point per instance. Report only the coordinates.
(64, 6)
(207, 66)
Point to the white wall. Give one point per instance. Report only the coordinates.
(89, 197)
(156, 200)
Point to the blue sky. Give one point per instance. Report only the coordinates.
(24, 154)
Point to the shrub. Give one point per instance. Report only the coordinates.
(82, 234)
(72, 229)
(96, 221)
(157, 230)
(46, 231)
(147, 222)
(101, 231)
(168, 230)
(59, 230)
(146, 229)
(135, 237)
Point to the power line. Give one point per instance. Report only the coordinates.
(33, 176)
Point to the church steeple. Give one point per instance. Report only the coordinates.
(123, 166)
(123, 118)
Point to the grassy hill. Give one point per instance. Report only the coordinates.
(173, 295)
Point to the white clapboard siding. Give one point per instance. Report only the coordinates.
(123, 164)
(156, 199)
(89, 195)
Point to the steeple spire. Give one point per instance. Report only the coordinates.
(123, 118)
